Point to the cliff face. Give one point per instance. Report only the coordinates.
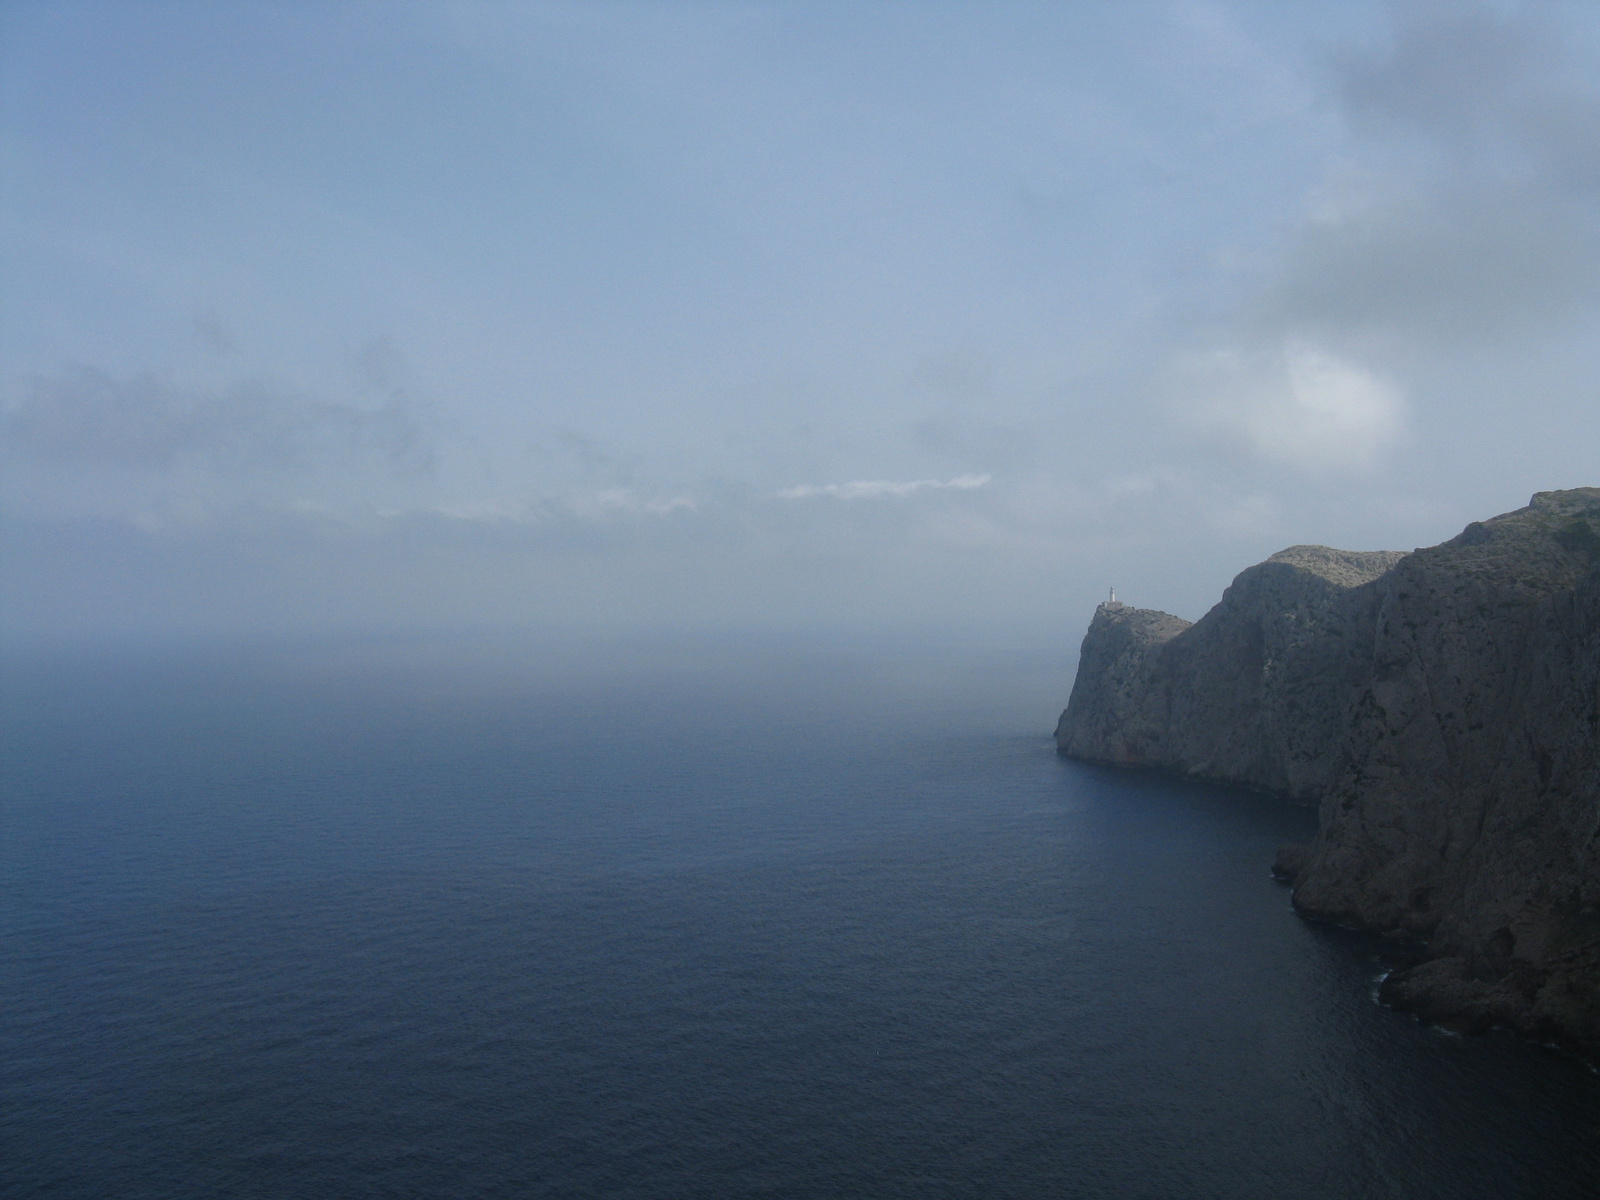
(1441, 707)
(1242, 695)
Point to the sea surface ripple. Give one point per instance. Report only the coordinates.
(685, 919)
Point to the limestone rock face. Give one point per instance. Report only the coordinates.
(1243, 695)
(1443, 710)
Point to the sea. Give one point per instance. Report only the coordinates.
(693, 916)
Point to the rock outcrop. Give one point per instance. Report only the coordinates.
(1442, 708)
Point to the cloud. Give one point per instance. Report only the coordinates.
(1473, 211)
(213, 334)
(862, 489)
(1462, 217)
(625, 500)
(146, 450)
(1453, 67)
(1297, 405)
(88, 418)
(1436, 266)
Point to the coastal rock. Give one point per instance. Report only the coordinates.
(1442, 708)
(1248, 694)
(1290, 862)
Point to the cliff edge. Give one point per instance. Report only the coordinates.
(1442, 709)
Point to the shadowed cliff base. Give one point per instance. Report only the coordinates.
(1442, 709)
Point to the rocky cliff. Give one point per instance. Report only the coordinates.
(1442, 708)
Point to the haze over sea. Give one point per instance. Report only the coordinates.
(667, 918)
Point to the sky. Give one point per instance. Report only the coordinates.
(794, 316)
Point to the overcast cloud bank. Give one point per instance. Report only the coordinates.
(861, 489)
(535, 314)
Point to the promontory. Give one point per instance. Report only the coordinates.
(1442, 710)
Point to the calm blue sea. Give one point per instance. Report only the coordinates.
(694, 919)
